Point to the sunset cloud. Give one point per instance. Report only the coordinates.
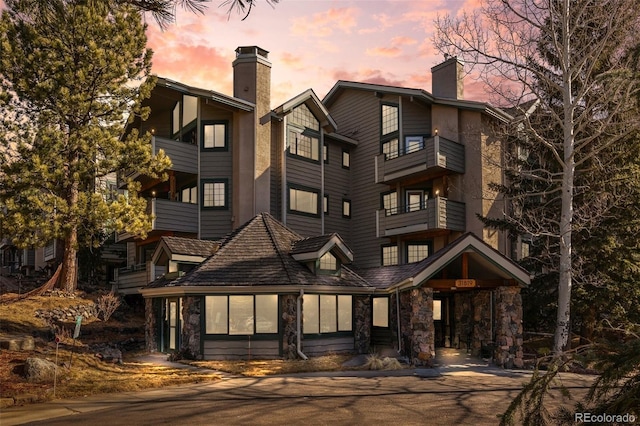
(324, 23)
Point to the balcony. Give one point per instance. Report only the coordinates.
(435, 155)
(169, 215)
(436, 214)
(183, 155)
(131, 279)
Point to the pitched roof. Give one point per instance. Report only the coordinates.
(259, 254)
(414, 274)
(190, 246)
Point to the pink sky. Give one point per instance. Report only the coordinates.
(312, 44)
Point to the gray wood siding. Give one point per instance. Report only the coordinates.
(184, 156)
(174, 216)
(276, 169)
(216, 165)
(241, 349)
(323, 346)
(452, 215)
(451, 155)
(357, 114)
(416, 118)
(337, 185)
(307, 174)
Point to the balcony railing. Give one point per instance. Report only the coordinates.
(435, 154)
(169, 215)
(183, 155)
(434, 214)
(132, 278)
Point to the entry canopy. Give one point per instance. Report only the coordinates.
(468, 262)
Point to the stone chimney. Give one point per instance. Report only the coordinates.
(447, 78)
(251, 140)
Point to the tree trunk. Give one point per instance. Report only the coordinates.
(69, 276)
(562, 335)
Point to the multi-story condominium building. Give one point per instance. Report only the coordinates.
(400, 175)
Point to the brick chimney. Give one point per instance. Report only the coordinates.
(252, 140)
(447, 78)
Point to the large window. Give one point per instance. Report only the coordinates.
(303, 200)
(183, 119)
(304, 146)
(326, 313)
(390, 125)
(215, 136)
(389, 255)
(189, 195)
(242, 314)
(214, 194)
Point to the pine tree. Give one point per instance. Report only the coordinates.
(71, 73)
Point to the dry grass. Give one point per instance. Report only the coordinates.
(374, 362)
(87, 375)
(271, 367)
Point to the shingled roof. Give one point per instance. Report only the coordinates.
(259, 254)
(190, 246)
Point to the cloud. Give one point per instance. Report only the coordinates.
(291, 60)
(323, 24)
(384, 51)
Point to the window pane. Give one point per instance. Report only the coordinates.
(303, 201)
(240, 315)
(214, 135)
(346, 208)
(389, 119)
(175, 127)
(303, 116)
(266, 313)
(417, 252)
(190, 112)
(389, 255)
(303, 145)
(310, 317)
(326, 204)
(346, 159)
(328, 314)
(214, 194)
(216, 314)
(437, 310)
(390, 148)
(381, 312)
(328, 262)
(345, 305)
(390, 203)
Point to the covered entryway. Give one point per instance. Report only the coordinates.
(466, 296)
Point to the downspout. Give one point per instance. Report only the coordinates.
(398, 319)
(299, 325)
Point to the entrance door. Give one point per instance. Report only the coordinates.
(171, 335)
(443, 320)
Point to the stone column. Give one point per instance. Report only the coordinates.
(463, 320)
(150, 325)
(482, 327)
(508, 353)
(362, 327)
(423, 331)
(191, 333)
(289, 326)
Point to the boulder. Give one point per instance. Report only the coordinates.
(108, 354)
(38, 370)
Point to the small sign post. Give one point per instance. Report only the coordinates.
(76, 334)
(55, 370)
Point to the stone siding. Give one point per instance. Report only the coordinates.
(508, 352)
(288, 307)
(422, 329)
(362, 326)
(191, 333)
(150, 325)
